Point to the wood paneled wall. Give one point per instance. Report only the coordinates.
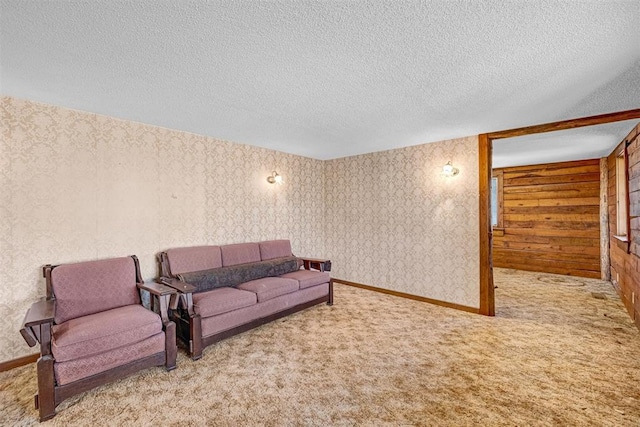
(550, 218)
(625, 255)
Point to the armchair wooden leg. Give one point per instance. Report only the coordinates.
(46, 398)
(195, 345)
(171, 348)
(330, 300)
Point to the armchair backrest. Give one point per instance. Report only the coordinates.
(91, 287)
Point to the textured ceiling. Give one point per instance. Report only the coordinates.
(326, 79)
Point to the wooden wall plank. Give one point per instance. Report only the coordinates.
(568, 169)
(565, 209)
(548, 248)
(579, 217)
(625, 257)
(566, 194)
(551, 219)
(559, 225)
(552, 188)
(544, 231)
(559, 258)
(552, 179)
(574, 201)
(566, 239)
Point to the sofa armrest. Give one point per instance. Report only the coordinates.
(40, 313)
(184, 297)
(178, 285)
(184, 294)
(157, 289)
(316, 263)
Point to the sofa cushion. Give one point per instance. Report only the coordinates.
(196, 258)
(104, 331)
(232, 319)
(93, 286)
(270, 287)
(271, 249)
(236, 274)
(222, 300)
(240, 253)
(308, 278)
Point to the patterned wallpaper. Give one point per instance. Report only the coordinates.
(77, 186)
(394, 222)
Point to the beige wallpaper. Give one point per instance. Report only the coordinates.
(394, 222)
(76, 186)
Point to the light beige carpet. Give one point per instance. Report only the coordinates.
(561, 351)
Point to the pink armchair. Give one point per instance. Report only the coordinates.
(93, 329)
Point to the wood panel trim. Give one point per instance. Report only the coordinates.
(21, 361)
(627, 199)
(499, 175)
(567, 124)
(605, 273)
(409, 296)
(558, 168)
(487, 297)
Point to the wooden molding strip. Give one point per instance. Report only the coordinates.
(21, 361)
(568, 124)
(487, 298)
(409, 296)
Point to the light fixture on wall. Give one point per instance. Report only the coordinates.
(274, 178)
(449, 170)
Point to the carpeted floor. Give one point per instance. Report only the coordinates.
(561, 351)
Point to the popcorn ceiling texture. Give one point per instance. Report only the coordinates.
(326, 79)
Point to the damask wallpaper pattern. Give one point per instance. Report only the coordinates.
(78, 186)
(395, 222)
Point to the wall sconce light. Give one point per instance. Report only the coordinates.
(448, 170)
(274, 178)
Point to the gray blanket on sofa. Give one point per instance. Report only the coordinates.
(235, 275)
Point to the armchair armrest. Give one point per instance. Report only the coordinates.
(28, 336)
(316, 263)
(40, 312)
(163, 293)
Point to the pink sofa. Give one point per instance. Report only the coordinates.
(225, 290)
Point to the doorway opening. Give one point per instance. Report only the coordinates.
(487, 298)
